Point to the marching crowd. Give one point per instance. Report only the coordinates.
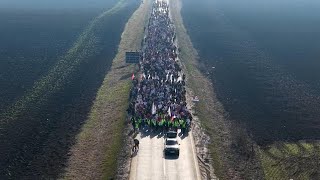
(157, 99)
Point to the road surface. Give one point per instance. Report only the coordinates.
(149, 163)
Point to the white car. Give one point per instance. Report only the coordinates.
(171, 146)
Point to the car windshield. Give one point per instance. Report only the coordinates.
(171, 134)
(169, 142)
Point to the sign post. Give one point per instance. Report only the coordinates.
(133, 57)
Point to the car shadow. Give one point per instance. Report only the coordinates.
(170, 157)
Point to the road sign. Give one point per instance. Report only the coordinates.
(133, 57)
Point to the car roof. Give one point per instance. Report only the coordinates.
(171, 131)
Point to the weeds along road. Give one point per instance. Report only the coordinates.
(150, 163)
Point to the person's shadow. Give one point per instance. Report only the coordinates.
(134, 152)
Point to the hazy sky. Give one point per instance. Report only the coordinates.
(272, 15)
(54, 4)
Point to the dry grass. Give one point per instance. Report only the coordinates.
(94, 156)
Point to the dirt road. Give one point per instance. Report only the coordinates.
(150, 163)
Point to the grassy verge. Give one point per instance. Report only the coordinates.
(98, 145)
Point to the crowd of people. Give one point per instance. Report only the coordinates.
(157, 98)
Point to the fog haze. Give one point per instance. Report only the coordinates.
(54, 4)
